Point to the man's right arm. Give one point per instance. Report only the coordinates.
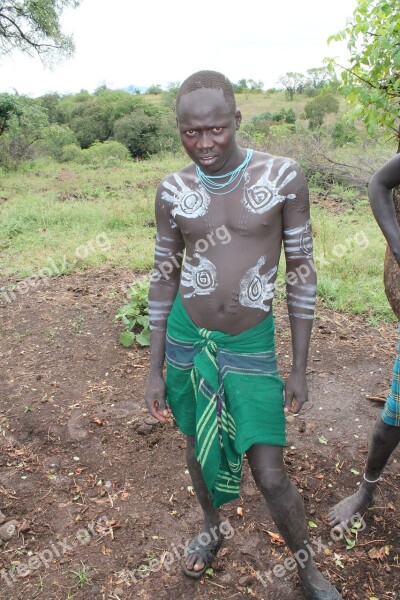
(164, 285)
(381, 200)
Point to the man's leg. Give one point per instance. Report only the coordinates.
(211, 515)
(385, 438)
(287, 510)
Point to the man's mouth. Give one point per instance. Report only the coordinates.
(208, 159)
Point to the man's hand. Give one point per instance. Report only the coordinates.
(155, 399)
(296, 392)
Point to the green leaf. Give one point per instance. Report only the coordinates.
(312, 524)
(143, 338)
(322, 439)
(210, 571)
(356, 525)
(127, 338)
(350, 543)
(339, 563)
(355, 471)
(143, 321)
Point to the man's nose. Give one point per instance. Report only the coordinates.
(205, 140)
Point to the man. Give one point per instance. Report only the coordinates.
(386, 433)
(228, 212)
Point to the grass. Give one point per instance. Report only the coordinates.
(63, 219)
(349, 251)
(81, 575)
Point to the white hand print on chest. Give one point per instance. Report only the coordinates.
(256, 289)
(264, 194)
(186, 202)
(202, 278)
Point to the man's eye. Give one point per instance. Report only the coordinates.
(190, 132)
(217, 129)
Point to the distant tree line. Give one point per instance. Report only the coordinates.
(61, 125)
(75, 126)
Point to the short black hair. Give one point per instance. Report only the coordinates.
(210, 80)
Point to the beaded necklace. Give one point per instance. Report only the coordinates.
(211, 182)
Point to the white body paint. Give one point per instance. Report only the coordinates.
(162, 251)
(301, 302)
(298, 241)
(185, 201)
(158, 313)
(202, 278)
(256, 289)
(264, 195)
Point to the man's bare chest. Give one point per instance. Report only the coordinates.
(251, 209)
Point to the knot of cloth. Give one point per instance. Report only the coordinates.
(206, 342)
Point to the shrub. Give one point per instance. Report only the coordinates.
(72, 153)
(107, 153)
(343, 133)
(146, 134)
(154, 89)
(315, 110)
(56, 137)
(134, 316)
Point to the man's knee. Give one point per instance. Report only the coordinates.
(383, 433)
(271, 481)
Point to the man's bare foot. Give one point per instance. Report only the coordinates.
(201, 551)
(316, 587)
(342, 515)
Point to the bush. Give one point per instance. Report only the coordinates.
(282, 131)
(55, 139)
(315, 110)
(104, 154)
(72, 153)
(343, 133)
(135, 316)
(154, 89)
(107, 153)
(146, 134)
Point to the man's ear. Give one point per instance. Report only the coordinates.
(238, 118)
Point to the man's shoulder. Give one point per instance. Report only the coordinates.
(267, 158)
(185, 173)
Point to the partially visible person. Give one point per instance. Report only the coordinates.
(386, 433)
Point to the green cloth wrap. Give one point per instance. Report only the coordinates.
(225, 390)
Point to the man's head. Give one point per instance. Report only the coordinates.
(211, 80)
(207, 120)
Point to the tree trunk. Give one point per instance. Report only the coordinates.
(391, 268)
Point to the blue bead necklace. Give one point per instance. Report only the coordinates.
(212, 184)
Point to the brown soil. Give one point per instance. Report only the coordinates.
(75, 447)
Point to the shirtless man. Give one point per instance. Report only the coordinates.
(386, 433)
(228, 212)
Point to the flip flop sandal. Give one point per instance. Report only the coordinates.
(330, 594)
(206, 552)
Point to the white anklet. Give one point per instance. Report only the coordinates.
(368, 481)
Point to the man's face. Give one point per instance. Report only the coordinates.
(207, 128)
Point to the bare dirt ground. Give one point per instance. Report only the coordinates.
(98, 493)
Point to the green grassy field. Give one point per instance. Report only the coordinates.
(58, 219)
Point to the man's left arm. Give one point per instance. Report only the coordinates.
(301, 283)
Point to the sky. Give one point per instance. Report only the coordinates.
(126, 42)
